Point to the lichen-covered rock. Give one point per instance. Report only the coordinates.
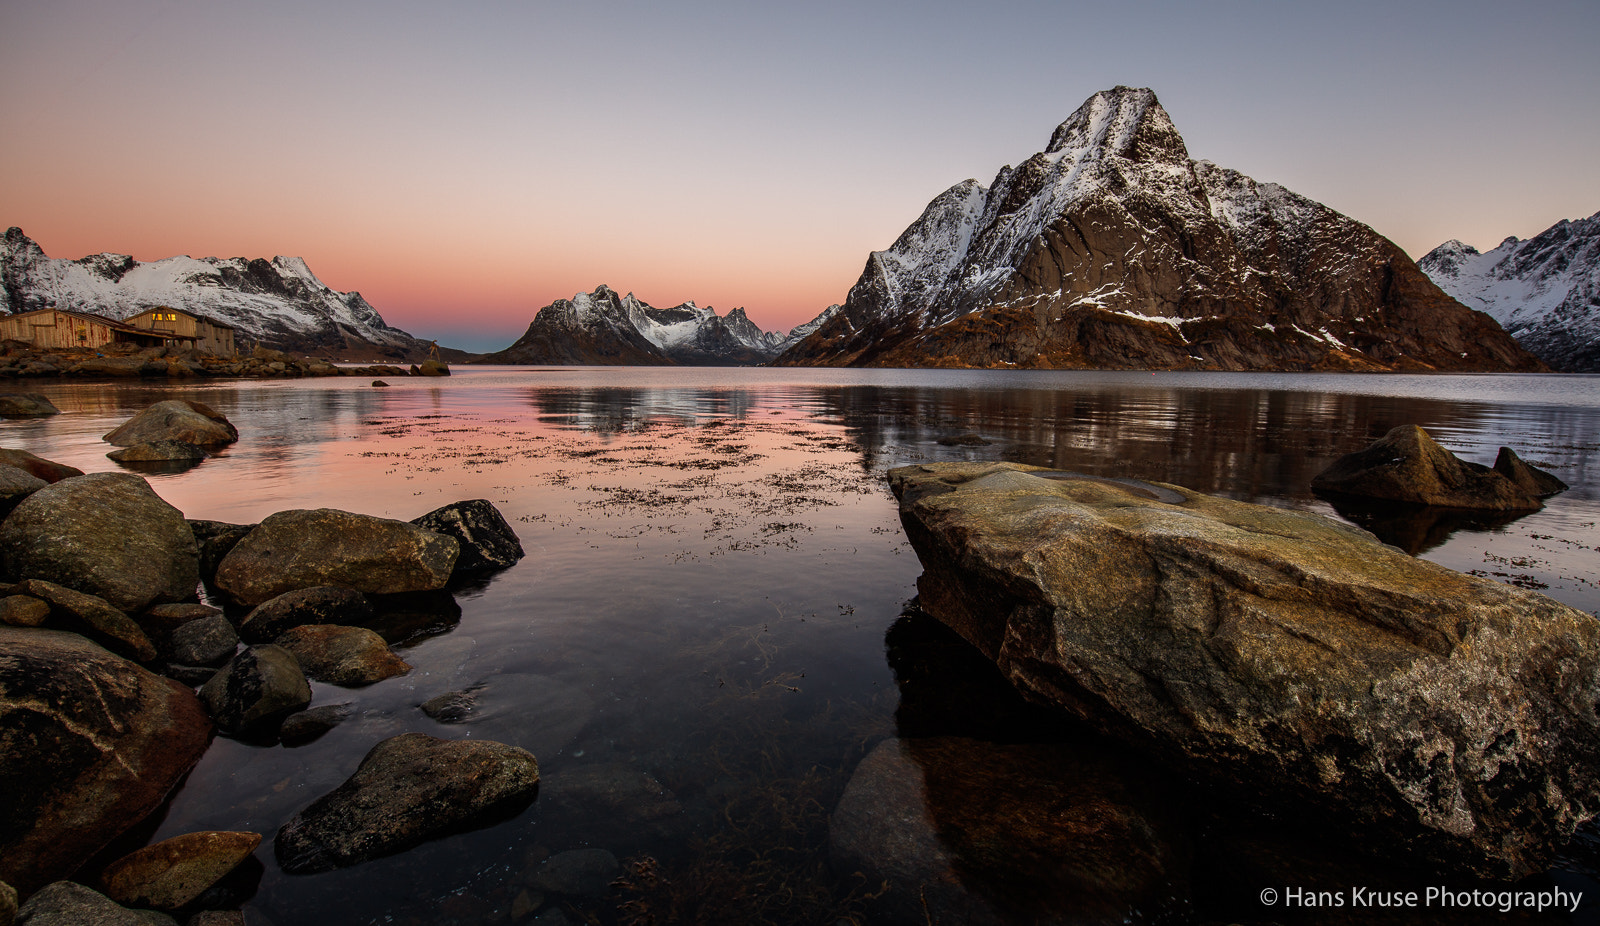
(257, 688)
(15, 485)
(338, 655)
(67, 903)
(304, 548)
(105, 534)
(208, 641)
(323, 604)
(408, 789)
(175, 420)
(1438, 715)
(173, 872)
(23, 611)
(89, 745)
(1406, 465)
(487, 542)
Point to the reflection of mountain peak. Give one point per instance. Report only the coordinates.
(603, 328)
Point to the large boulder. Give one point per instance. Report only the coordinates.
(89, 745)
(173, 872)
(1406, 465)
(106, 534)
(258, 687)
(175, 419)
(408, 789)
(487, 542)
(67, 903)
(304, 548)
(1435, 714)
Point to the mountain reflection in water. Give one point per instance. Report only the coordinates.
(714, 629)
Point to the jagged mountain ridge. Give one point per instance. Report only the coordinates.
(278, 303)
(603, 328)
(1545, 290)
(1113, 249)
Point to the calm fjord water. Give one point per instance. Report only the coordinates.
(695, 646)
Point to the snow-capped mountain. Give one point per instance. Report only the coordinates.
(278, 303)
(1545, 290)
(603, 328)
(1111, 248)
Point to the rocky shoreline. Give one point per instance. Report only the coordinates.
(104, 639)
(22, 361)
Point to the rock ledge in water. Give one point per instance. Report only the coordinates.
(1406, 465)
(1429, 711)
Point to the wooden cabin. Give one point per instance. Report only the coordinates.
(188, 329)
(61, 329)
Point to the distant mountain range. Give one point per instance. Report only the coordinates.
(1545, 291)
(278, 303)
(604, 328)
(1113, 249)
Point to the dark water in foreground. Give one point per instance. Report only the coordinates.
(713, 626)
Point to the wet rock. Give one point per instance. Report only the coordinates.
(432, 368)
(16, 485)
(23, 611)
(175, 420)
(89, 745)
(306, 606)
(408, 789)
(307, 725)
(578, 873)
(161, 451)
(1406, 465)
(380, 384)
(95, 617)
(346, 656)
(974, 832)
(64, 533)
(209, 641)
(1436, 715)
(1525, 476)
(969, 439)
(190, 676)
(301, 549)
(215, 539)
(26, 405)
(257, 688)
(47, 470)
(65, 903)
(173, 872)
(487, 542)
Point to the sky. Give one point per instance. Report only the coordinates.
(462, 165)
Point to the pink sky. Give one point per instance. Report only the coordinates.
(462, 167)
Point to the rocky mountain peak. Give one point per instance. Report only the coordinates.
(1127, 122)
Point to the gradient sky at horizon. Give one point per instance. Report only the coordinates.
(464, 164)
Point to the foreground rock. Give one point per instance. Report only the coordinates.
(256, 689)
(173, 872)
(105, 534)
(408, 789)
(15, 485)
(304, 548)
(1430, 712)
(965, 831)
(487, 542)
(66, 903)
(89, 745)
(175, 420)
(1406, 465)
(348, 656)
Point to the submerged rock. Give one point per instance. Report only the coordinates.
(304, 548)
(487, 542)
(173, 872)
(1434, 713)
(66, 903)
(408, 789)
(578, 873)
(309, 724)
(1406, 465)
(89, 745)
(175, 420)
(105, 534)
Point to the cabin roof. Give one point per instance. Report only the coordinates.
(167, 308)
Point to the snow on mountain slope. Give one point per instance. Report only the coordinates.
(1545, 291)
(278, 303)
(603, 328)
(1111, 248)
